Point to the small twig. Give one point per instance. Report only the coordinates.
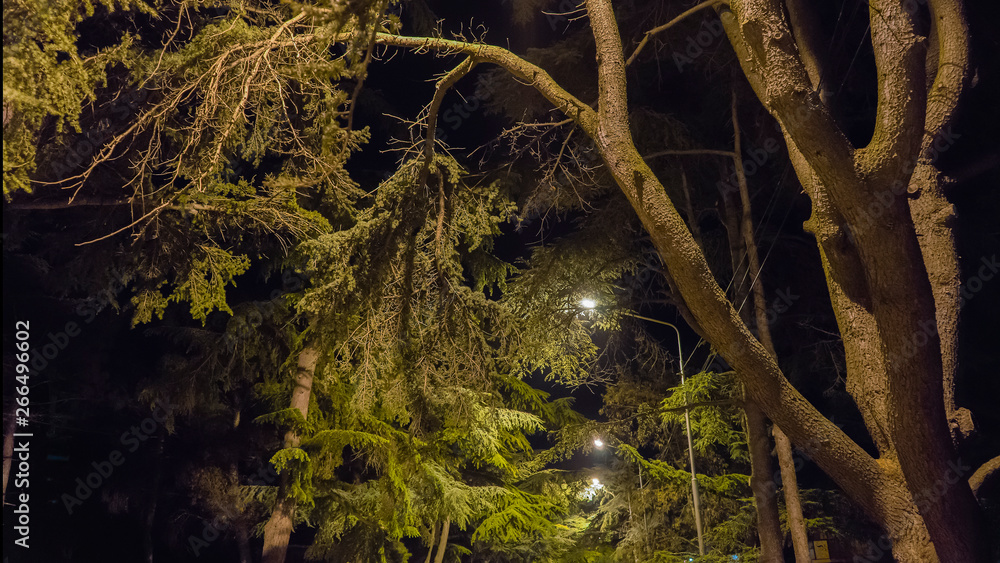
(671, 23)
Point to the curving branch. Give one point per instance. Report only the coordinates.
(985, 471)
(443, 85)
(899, 59)
(531, 74)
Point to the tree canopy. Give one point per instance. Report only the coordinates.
(512, 281)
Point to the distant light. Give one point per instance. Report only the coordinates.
(598, 443)
(588, 303)
(595, 481)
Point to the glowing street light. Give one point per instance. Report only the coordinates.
(588, 303)
(598, 443)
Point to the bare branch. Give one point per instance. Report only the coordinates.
(521, 69)
(660, 29)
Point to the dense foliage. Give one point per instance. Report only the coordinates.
(217, 190)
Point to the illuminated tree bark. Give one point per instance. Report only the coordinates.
(278, 529)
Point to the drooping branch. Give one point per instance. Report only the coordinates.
(521, 69)
(443, 85)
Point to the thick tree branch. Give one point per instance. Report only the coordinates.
(766, 49)
(697, 285)
(521, 69)
(952, 68)
(899, 60)
(933, 215)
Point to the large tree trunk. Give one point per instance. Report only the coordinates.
(278, 529)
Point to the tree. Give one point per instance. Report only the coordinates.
(886, 283)
(879, 211)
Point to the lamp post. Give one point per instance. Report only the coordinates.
(590, 304)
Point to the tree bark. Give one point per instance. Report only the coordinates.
(864, 187)
(278, 529)
(443, 544)
(430, 544)
(762, 485)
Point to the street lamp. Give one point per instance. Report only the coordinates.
(591, 304)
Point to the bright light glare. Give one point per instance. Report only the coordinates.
(598, 443)
(590, 492)
(588, 303)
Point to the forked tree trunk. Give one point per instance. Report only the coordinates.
(278, 529)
